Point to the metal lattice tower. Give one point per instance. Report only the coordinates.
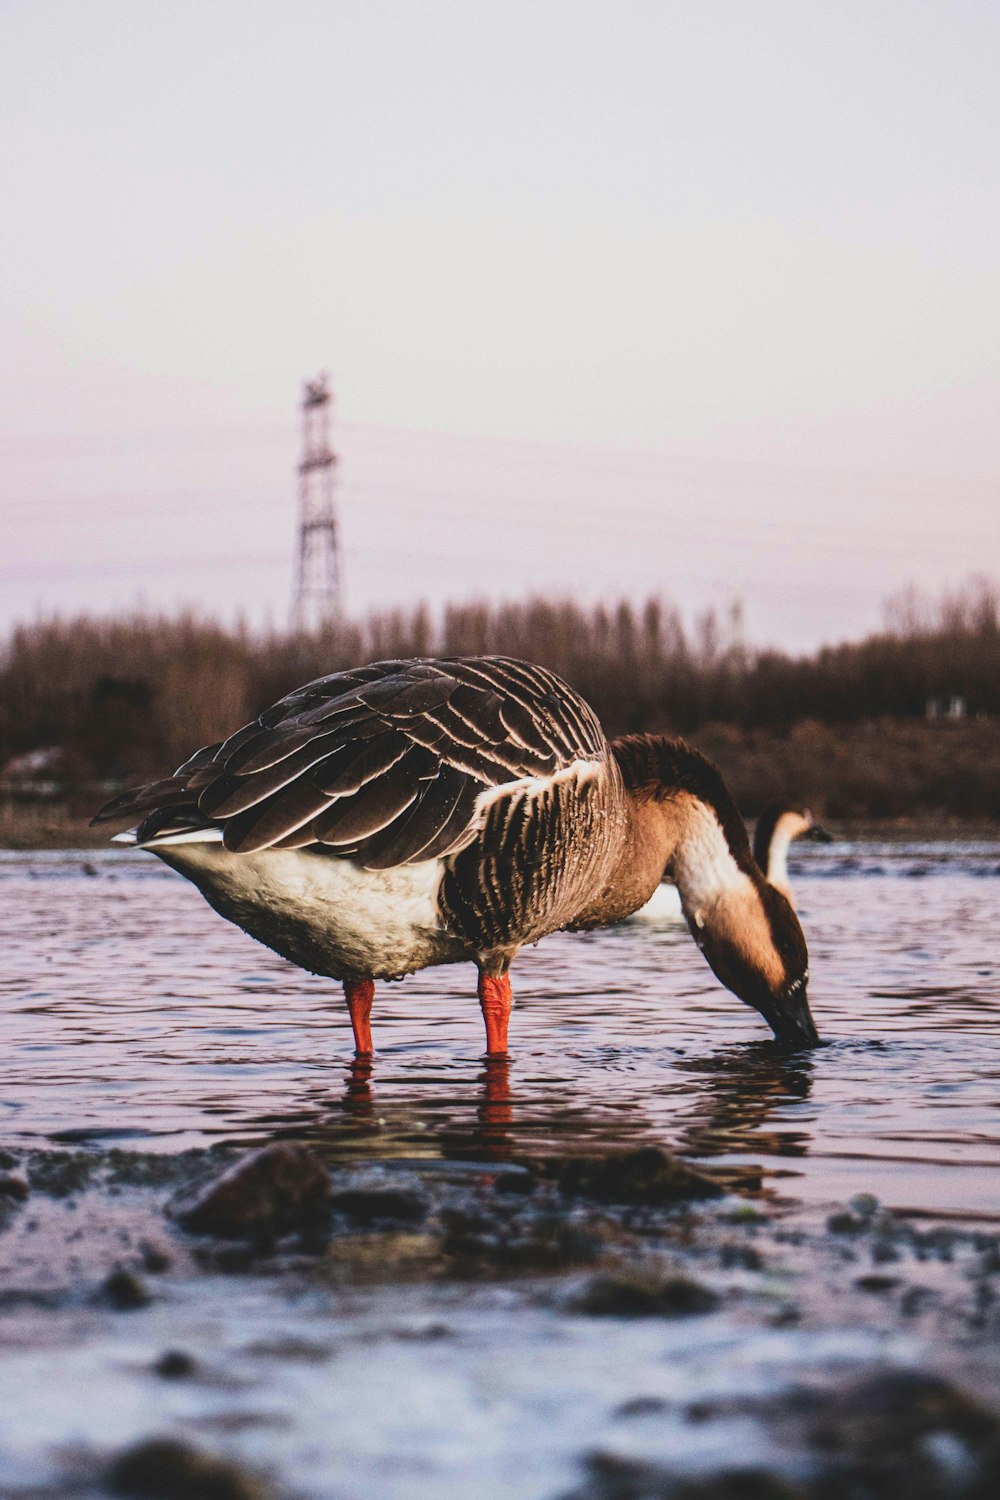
(316, 599)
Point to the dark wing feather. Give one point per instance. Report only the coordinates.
(353, 819)
(362, 762)
(228, 794)
(436, 822)
(384, 763)
(270, 820)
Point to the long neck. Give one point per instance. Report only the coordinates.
(745, 928)
(725, 899)
(776, 828)
(679, 780)
(702, 863)
(776, 865)
(688, 826)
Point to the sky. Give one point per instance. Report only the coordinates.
(617, 298)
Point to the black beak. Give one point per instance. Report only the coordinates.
(791, 1020)
(817, 834)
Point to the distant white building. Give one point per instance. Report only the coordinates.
(951, 706)
(34, 773)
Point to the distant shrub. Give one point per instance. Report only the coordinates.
(843, 728)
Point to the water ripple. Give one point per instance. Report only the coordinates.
(129, 1013)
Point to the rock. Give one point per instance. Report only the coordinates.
(892, 1433)
(168, 1469)
(13, 1187)
(175, 1364)
(124, 1291)
(845, 1223)
(739, 1484)
(874, 1282)
(541, 1242)
(271, 1191)
(518, 1184)
(648, 1176)
(904, 1432)
(372, 1205)
(742, 1257)
(914, 1300)
(424, 1333)
(642, 1406)
(154, 1258)
(612, 1477)
(893, 1410)
(884, 1251)
(618, 1295)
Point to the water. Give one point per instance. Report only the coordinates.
(130, 1014)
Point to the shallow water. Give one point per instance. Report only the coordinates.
(132, 1015)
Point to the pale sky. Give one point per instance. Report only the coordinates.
(700, 299)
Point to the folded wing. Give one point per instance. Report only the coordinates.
(383, 765)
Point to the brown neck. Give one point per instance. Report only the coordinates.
(684, 825)
(638, 869)
(656, 768)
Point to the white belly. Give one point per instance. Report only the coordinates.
(326, 915)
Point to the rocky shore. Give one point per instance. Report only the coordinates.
(235, 1307)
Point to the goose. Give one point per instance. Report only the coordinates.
(416, 812)
(778, 826)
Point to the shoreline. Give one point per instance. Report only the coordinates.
(39, 829)
(695, 1346)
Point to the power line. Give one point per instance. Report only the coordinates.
(435, 500)
(387, 438)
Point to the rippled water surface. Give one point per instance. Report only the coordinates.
(131, 1014)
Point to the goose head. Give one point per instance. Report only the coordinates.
(754, 944)
(779, 825)
(747, 929)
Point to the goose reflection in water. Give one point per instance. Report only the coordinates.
(740, 1110)
(401, 1129)
(745, 1088)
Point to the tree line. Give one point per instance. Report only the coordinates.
(128, 696)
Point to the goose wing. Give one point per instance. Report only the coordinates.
(383, 764)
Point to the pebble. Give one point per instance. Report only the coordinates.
(175, 1364)
(876, 1283)
(647, 1176)
(124, 1291)
(637, 1296)
(371, 1205)
(845, 1223)
(275, 1189)
(154, 1258)
(13, 1186)
(168, 1469)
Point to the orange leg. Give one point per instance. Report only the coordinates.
(497, 1002)
(360, 993)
